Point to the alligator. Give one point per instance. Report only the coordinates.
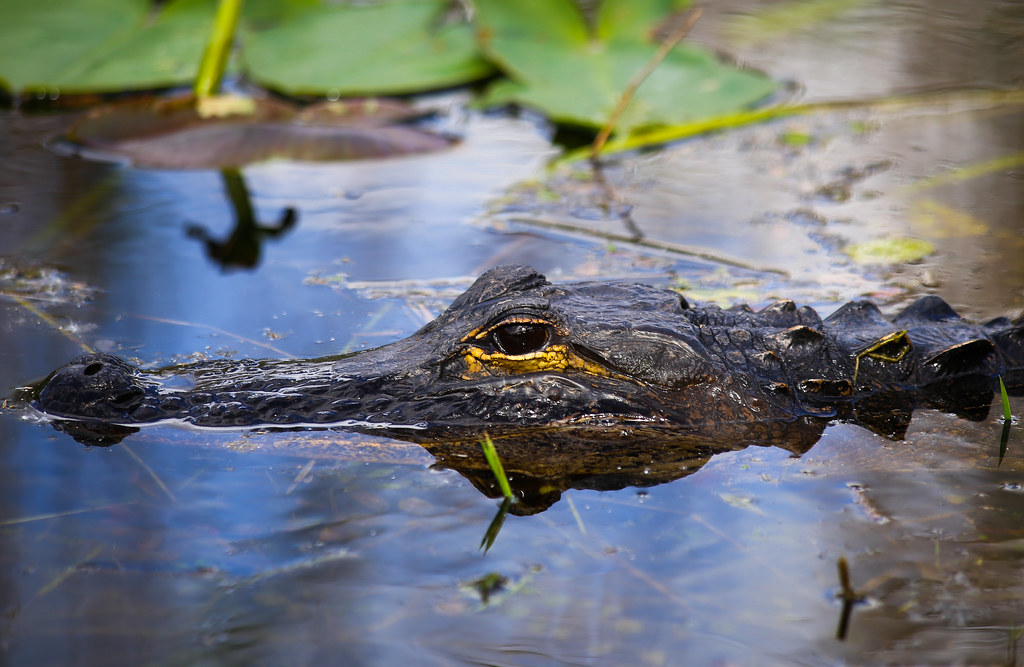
(516, 350)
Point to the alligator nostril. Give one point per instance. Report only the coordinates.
(93, 368)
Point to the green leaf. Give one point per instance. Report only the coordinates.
(39, 42)
(75, 46)
(573, 75)
(494, 461)
(636, 21)
(295, 46)
(385, 48)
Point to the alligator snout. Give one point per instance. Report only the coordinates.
(93, 386)
(516, 350)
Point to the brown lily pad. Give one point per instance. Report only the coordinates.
(233, 131)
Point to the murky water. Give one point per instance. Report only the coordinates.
(199, 547)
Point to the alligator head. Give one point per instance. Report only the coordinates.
(517, 350)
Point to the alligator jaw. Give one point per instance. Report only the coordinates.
(515, 350)
(99, 398)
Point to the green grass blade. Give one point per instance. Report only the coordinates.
(491, 454)
(496, 523)
(1006, 400)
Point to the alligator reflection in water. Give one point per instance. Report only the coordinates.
(516, 351)
(541, 463)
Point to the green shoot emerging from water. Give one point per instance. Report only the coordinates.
(491, 454)
(1004, 438)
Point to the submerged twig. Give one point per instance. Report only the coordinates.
(57, 515)
(223, 332)
(63, 576)
(152, 473)
(576, 515)
(569, 227)
(301, 477)
(49, 321)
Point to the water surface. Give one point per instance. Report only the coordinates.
(200, 547)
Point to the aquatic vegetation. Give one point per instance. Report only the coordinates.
(616, 73)
(890, 250)
(491, 453)
(576, 73)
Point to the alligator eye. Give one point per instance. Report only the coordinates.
(517, 338)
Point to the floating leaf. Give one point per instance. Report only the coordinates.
(296, 46)
(227, 131)
(890, 251)
(75, 46)
(383, 48)
(577, 75)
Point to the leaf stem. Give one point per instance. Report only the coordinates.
(627, 94)
(663, 135)
(215, 57)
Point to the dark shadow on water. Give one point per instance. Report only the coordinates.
(242, 248)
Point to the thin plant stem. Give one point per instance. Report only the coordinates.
(627, 94)
(24, 303)
(730, 121)
(156, 478)
(215, 57)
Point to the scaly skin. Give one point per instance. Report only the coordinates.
(516, 350)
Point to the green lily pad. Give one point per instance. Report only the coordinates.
(574, 74)
(229, 131)
(76, 46)
(384, 48)
(295, 46)
(897, 250)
